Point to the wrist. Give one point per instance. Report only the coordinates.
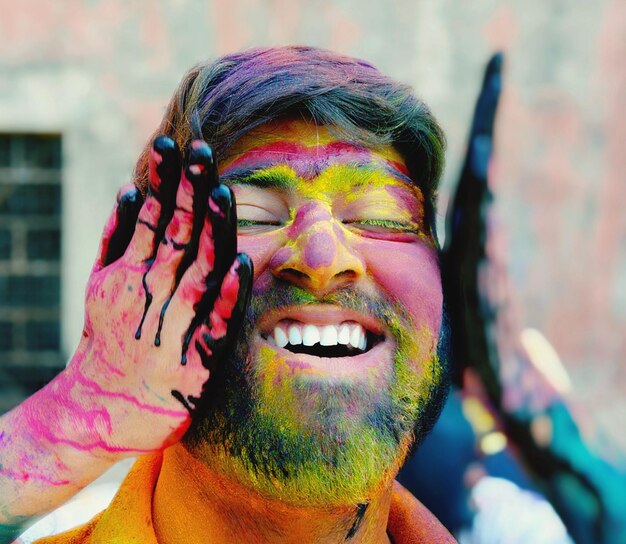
(61, 421)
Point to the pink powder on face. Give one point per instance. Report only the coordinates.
(339, 233)
(406, 197)
(402, 266)
(281, 257)
(307, 215)
(320, 250)
(309, 161)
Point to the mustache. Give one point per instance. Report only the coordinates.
(282, 295)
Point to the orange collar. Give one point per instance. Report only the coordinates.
(128, 519)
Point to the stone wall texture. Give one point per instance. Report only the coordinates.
(100, 72)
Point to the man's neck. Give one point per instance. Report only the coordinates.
(194, 504)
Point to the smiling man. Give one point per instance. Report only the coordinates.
(338, 355)
(284, 419)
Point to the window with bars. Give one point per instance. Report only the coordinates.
(30, 252)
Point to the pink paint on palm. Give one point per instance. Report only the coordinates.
(96, 388)
(26, 476)
(225, 304)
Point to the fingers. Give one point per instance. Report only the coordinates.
(120, 226)
(179, 245)
(221, 325)
(485, 112)
(466, 217)
(217, 332)
(201, 170)
(223, 214)
(225, 318)
(158, 209)
(216, 249)
(204, 284)
(127, 212)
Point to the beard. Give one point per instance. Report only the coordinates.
(315, 442)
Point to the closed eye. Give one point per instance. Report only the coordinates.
(254, 226)
(255, 219)
(384, 226)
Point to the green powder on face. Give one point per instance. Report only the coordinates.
(316, 443)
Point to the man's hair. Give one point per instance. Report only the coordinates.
(223, 100)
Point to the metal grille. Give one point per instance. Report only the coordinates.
(30, 252)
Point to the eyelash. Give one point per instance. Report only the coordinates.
(376, 228)
(251, 223)
(388, 224)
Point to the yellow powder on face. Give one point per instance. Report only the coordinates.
(359, 192)
(345, 179)
(277, 392)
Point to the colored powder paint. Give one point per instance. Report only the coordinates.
(320, 250)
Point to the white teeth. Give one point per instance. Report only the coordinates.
(328, 336)
(355, 337)
(281, 337)
(346, 334)
(310, 335)
(343, 336)
(295, 337)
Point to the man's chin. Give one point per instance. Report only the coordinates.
(306, 439)
(310, 432)
(331, 460)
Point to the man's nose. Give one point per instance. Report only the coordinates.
(317, 255)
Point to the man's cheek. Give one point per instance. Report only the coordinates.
(410, 274)
(260, 249)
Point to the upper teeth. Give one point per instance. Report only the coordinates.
(295, 333)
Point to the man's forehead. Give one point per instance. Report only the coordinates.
(308, 149)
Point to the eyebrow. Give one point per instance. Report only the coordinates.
(283, 177)
(272, 177)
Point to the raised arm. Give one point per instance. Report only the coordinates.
(588, 493)
(164, 300)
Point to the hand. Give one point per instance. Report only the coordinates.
(471, 307)
(162, 305)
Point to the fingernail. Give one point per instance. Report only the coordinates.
(201, 159)
(220, 201)
(163, 144)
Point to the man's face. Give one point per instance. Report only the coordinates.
(337, 365)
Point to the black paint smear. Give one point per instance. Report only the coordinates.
(146, 306)
(203, 310)
(177, 246)
(127, 212)
(245, 271)
(225, 248)
(150, 226)
(202, 184)
(360, 514)
(169, 174)
(186, 402)
(157, 336)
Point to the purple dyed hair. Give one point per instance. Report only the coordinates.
(223, 100)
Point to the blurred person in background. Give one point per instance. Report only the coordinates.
(506, 442)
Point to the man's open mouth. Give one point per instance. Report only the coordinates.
(343, 339)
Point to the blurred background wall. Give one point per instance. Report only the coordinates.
(83, 83)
